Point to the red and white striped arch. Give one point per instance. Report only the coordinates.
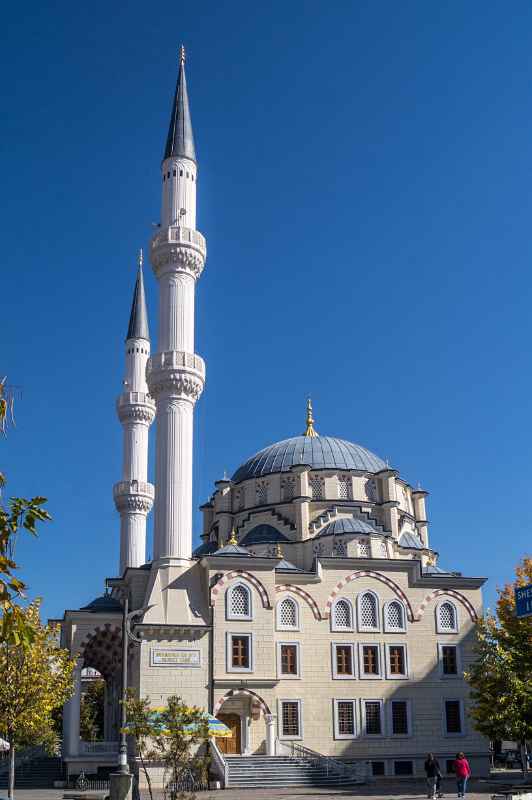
(288, 587)
(244, 576)
(450, 593)
(256, 700)
(369, 573)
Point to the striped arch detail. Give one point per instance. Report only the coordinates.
(369, 573)
(287, 587)
(256, 701)
(247, 576)
(451, 593)
(107, 628)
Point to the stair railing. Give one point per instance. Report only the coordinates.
(355, 773)
(218, 763)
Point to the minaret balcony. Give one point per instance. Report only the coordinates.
(177, 247)
(134, 496)
(176, 372)
(135, 407)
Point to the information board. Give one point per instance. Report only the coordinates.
(179, 657)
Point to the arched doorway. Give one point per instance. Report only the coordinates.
(248, 716)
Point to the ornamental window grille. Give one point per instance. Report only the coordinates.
(316, 487)
(373, 717)
(340, 549)
(288, 614)
(288, 488)
(449, 660)
(262, 494)
(346, 718)
(344, 488)
(368, 611)
(240, 604)
(290, 718)
(342, 614)
(447, 617)
(364, 549)
(394, 616)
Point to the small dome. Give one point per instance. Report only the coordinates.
(263, 534)
(348, 525)
(104, 603)
(410, 540)
(319, 452)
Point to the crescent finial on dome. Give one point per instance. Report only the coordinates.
(310, 421)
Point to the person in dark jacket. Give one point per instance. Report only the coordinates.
(432, 771)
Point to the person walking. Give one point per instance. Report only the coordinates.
(463, 772)
(432, 771)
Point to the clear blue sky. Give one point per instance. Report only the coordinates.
(365, 190)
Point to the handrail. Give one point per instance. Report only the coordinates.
(330, 764)
(219, 763)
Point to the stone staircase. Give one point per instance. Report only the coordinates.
(37, 773)
(248, 772)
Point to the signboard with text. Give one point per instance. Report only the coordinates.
(523, 601)
(178, 657)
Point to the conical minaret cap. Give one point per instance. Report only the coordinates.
(180, 141)
(138, 319)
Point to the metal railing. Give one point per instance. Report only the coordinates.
(354, 773)
(218, 763)
(178, 233)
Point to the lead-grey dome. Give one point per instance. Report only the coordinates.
(319, 452)
(348, 525)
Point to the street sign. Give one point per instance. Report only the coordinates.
(523, 601)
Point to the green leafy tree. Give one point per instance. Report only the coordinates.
(140, 727)
(91, 711)
(35, 680)
(501, 676)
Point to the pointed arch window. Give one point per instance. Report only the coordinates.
(288, 615)
(368, 612)
(342, 615)
(238, 602)
(394, 617)
(446, 617)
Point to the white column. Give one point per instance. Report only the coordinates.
(176, 312)
(270, 734)
(71, 716)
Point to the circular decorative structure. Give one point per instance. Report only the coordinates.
(319, 452)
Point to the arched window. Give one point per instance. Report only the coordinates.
(287, 614)
(368, 612)
(238, 602)
(394, 616)
(342, 616)
(344, 487)
(446, 618)
(364, 550)
(316, 484)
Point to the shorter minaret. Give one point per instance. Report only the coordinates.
(133, 495)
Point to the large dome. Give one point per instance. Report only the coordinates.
(319, 452)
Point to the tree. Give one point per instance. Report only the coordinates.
(140, 726)
(35, 680)
(91, 711)
(501, 676)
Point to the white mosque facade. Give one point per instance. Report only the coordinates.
(313, 614)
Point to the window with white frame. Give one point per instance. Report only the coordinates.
(342, 615)
(344, 487)
(288, 660)
(372, 717)
(317, 487)
(344, 719)
(364, 548)
(453, 717)
(369, 657)
(238, 602)
(400, 717)
(394, 617)
(368, 612)
(343, 662)
(239, 652)
(396, 661)
(290, 719)
(446, 617)
(287, 615)
(449, 660)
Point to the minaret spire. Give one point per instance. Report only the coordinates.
(180, 139)
(310, 421)
(133, 495)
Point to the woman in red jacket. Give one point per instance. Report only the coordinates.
(463, 772)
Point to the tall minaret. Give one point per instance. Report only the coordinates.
(175, 374)
(133, 495)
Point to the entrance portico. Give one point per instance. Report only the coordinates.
(248, 716)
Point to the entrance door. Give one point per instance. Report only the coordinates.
(230, 746)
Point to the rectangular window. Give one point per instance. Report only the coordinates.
(345, 718)
(344, 660)
(289, 659)
(403, 767)
(290, 723)
(370, 660)
(377, 769)
(449, 660)
(397, 660)
(453, 716)
(399, 716)
(373, 717)
(240, 652)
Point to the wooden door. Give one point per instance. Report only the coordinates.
(230, 746)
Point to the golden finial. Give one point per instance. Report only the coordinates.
(141, 258)
(310, 421)
(233, 539)
(279, 551)
(431, 560)
(182, 54)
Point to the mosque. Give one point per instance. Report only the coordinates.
(314, 616)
